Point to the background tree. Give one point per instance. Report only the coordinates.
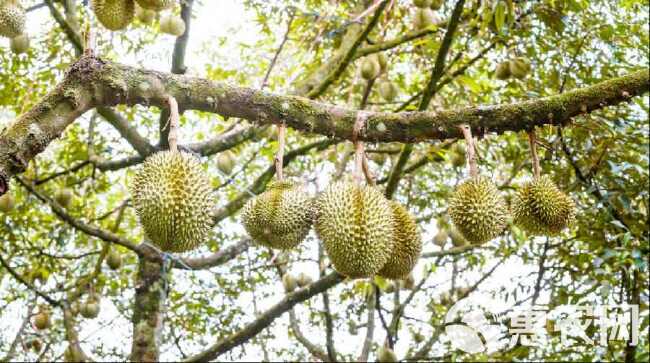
(76, 125)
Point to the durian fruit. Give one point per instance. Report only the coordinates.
(172, 24)
(155, 5)
(478, 210)
(145, 16)
(19, 44)
(407, 244)
(72, 354)
(355, 224)
(422, 3)
(63, 197)
(89, 309)
(113, 14)
(519, 67)
(7, 203)
(281, 217)
(289, 282)
(502, 71)
(388, 90)
(226, 162)
(423, 18)
(440, 239)
(114, 260)
(303, 279)
(385, 354)
(172, 196)
(436, 4)
(42, 320)
(34, 344)
(12, 18)
(540, 208)
(370, 68)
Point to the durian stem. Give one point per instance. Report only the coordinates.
(532, 140)
(359, 153)
(174, 121)
(279, 155)
(358, 162)
(471, 152)
(370, 179)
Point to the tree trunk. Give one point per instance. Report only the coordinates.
(150, 296)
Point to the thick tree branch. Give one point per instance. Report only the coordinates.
(259, 324)
(215, 259)
(92, 82)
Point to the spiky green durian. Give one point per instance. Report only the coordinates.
(423, 18)
(172, 24)
(354, 223)
(385, 354)
(370, 68)
(114, 14)
(407, 244)
(146, 16)
(540, 208)
(7, 203)
(280, 217)
(388, 90)
(12, 18)
(156, 5)
(19, 44)
(172, 196)
(478, 210)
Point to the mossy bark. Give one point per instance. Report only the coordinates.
(92, 82)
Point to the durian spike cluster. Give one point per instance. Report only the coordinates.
(12, 25)
(171, 195)
(517, 68)
(116, 15)
(281, 217)
(424, 15)
(540, 208)
(364, 233)
(353, 222)
(478, 210)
